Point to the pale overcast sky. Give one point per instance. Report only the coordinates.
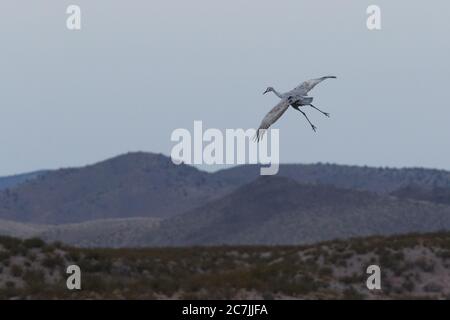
(139, 69)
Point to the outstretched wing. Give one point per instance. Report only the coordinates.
(308, 85)
(271, 117)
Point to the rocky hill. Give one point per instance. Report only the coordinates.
(278, 210)
(141, 199)
(132, 185)
(378, 180)
(15, 180)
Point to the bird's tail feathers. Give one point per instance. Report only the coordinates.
(259, 135)
(306, 99)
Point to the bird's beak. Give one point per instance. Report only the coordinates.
(266, 91)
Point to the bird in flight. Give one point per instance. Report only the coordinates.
(296, 98)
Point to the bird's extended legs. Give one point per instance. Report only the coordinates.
(324, 113)
(312, 126)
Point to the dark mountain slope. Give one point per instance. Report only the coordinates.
(150, 185)
(269, 210)
(15, 180)
(380, 180)
(278, 210)
(132, 185)
(436, 195)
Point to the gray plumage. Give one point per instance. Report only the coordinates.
(295, 98)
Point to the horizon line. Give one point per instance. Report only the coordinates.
(222, 167)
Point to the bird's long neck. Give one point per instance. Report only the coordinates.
(277, 93)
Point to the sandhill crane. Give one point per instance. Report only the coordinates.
(296, 98)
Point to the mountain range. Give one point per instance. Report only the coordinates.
(15, 180)
(132, 185)
(141, 199)
(279, 211)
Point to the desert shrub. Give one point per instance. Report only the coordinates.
(31, 256)
(433, 287)
(425, 265)
(74, 256)
(49, 248)
(18, 250)
(95, 283)
(302, 285)
(92, 255)
(268, 296)
(90, 265)
(52, 261)
(16, 270)
(393, 261)
(10, 243)
(33, 243)
(325, 272)
(4, 255)
(58, 244)
(373, 260)
(444, 254)
(34, 280)
(352, 294)
(343, 263)
(355, 277)
(408, 285)
(33, 276)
